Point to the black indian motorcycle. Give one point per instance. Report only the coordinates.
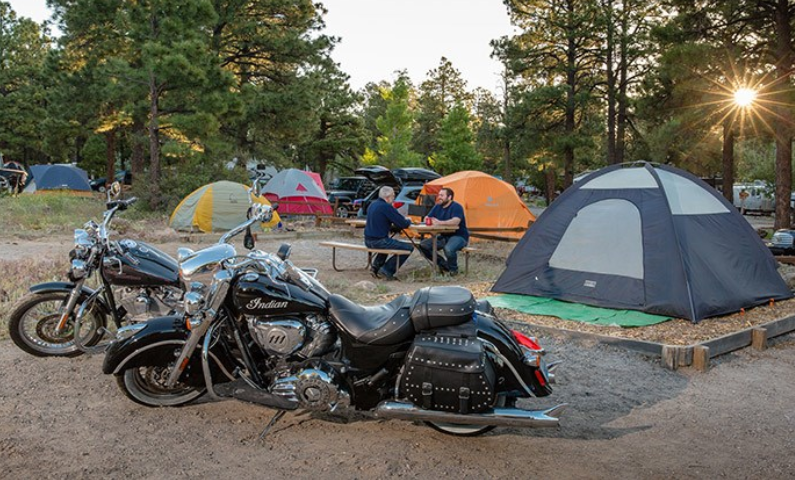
(266, 332)
(44, 322)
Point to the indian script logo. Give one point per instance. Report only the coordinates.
(257, 303)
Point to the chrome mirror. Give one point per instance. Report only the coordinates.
(114, 190)
(262, 212)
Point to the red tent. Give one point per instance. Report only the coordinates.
(298, 193)
(318, 180)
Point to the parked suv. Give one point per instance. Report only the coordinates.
(407, 183)
(407, 196)
(782, 243)
(122, 176)
(343, 191)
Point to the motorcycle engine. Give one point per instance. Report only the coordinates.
(139, 304)
(143, 304)
(314, 387)
(306, 337)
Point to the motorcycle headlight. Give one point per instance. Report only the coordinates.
(193, 302)
(79, 269)
(82, 238)
(83, 244)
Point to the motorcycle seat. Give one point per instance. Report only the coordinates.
(388, 324)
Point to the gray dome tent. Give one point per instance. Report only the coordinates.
(644, 237)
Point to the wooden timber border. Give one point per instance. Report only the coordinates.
(697, 355)
(788, 259)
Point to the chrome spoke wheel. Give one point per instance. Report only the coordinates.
(147, 386)
(33, 326)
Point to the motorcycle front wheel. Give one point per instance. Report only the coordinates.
(33, 321)
(147, 386)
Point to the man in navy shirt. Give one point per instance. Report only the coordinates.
(381, 215)
(447, 212)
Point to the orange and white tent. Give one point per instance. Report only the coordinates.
(492, 206)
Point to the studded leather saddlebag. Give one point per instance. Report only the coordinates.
(450, 374)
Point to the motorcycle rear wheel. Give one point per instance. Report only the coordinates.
(32, 323)
(461, 430)
(147, 386)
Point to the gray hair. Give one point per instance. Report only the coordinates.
(385, 192)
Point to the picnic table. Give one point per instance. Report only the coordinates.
(420, 229)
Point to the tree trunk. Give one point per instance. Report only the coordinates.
(728, 158)
(154, 145)
(80, 142)
(549, 184)
(507, 168)
(611, 86)
(326, 151)
(571, 83)
(506, 160)
(621, 121)
(781, 109)
(783, 174)
(110, 156)
(137, 161)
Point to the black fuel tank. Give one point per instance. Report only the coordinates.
(141, 265)
(256, 295)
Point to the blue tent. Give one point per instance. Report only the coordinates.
(58, 177)
(644, 237)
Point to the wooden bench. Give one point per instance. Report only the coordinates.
(374, 251)
(331, 219)
(361, 248)
(466, 251)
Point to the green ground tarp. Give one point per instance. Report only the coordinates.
(575, 311)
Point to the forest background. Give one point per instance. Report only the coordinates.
(174, 90)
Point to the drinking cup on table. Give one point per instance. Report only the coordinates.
(428, 221)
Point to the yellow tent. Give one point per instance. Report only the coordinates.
(492, 207)
(218, 206)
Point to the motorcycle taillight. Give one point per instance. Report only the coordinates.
(526, 341)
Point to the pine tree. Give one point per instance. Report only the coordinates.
(443, 88)
(395, 128)
(23, 51)
(456, 144)
(340, 136)
(556, 51)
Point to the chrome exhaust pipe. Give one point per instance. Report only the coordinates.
(506, 417)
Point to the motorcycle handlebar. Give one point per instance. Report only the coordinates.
(121, 204)
(112, 208)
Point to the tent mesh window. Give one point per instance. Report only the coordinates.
(582, 247)
(628, 178)
(687, 198)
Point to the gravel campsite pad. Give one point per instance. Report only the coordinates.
(627, 417)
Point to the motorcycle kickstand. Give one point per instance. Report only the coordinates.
(270, 425)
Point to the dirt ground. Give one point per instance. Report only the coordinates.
(627, 417)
